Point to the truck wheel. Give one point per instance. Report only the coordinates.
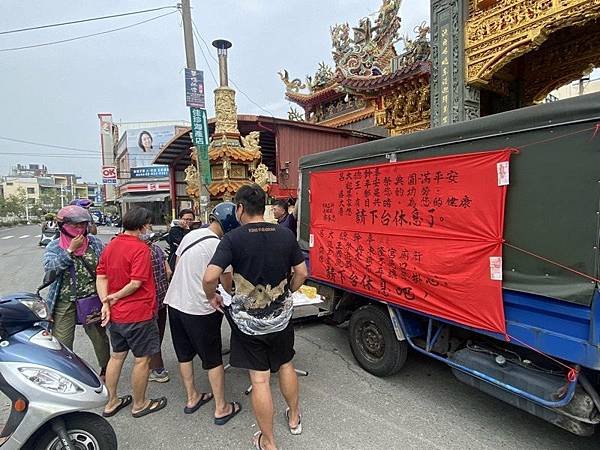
(374, 343)
(87, 432)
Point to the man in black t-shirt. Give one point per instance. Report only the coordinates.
(268, 266)
(177, 233)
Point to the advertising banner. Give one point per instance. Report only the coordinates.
(424, 234)
(109, 175)
(200, 140)
(150, 172)
(143, 144)
(194, 89)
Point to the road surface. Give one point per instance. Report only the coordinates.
(343, 407)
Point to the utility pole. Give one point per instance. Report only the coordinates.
(188, 35)
(190, 56)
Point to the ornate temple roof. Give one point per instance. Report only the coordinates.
(366, 84)
(366, 66)
(218, 188)
(306, 100)
(234, 153)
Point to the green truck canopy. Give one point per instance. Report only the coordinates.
(553, 202)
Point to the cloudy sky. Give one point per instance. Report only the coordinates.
(52, 94)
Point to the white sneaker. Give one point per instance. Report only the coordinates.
(159, 377)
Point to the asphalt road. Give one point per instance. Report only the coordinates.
(343, 407)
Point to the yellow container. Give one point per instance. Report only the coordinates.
(309, 291)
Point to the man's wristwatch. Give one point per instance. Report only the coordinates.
(70, 252)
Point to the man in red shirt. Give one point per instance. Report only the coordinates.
(126, 286)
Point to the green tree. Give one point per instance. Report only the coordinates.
(15, 203)
(50, 200)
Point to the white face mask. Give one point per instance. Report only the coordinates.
(238, 218)
(146, 234)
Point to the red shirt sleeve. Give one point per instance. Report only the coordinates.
(141, 264)
(101, 267)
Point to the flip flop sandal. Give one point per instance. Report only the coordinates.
(156, 404)
(223, 420)
(124, 401)
(256, 440)
(298, 428)
(204, 398)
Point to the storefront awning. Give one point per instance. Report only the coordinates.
(158, 197)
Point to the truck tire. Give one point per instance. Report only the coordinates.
(374, 343)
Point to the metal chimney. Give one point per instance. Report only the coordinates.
(222, 45)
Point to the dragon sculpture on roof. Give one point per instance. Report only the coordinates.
(368, 52)
(371, 48)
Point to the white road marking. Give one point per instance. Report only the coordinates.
(6, 237)
(24, 236)
(38, 235)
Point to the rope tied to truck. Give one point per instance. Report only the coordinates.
(555, 263)
(572, 372)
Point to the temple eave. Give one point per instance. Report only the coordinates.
(349, 118)
(308, 100)
(374, 85)
(218, 188)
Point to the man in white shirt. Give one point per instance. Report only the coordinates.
(195, 324)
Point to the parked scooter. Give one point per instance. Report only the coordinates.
(51, 389)
(49, 232)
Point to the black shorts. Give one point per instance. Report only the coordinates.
(261, 352)
(197, 335)
(142, 338)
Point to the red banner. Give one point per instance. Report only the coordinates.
(425, 234)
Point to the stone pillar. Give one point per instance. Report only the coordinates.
(451, 99)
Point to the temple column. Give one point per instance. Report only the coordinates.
(451, 99)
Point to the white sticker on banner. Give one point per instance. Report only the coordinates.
(311, 241)
(502, 169)
(496, 268)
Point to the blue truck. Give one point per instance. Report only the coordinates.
(551, 366)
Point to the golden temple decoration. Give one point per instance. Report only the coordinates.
(191, 177)
(497, 32)
(225, 111)
(232, 157)
(291, 86)
(261, 176)
(407, 109)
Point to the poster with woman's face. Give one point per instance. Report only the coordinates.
(144, 144)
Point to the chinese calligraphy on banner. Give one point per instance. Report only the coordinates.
(425, 234)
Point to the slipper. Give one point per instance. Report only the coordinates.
(204, 398)
(124, 401)
(156, 404)
(256, 440)
(223, 420)
(298, 428)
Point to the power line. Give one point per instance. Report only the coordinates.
(52, 155)
(87, 35)
(270, 113)
(86, 20)
(39, 144)
(197, 36)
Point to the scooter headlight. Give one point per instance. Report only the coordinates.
(38, 307)
(50, 380)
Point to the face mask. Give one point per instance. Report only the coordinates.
(146, 234)
(73, 232)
